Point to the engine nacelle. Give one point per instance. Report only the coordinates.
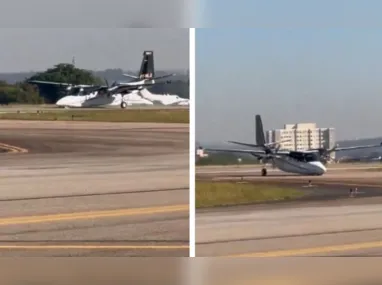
(264, 160)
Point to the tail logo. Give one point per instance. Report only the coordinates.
(146, 76)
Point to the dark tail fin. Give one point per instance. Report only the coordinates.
(147, 67)
(260, 138)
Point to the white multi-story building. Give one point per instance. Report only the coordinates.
(302, 136)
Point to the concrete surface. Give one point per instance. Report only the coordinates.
(93, 271)
(291, 271)
(335, 226)
(94, 189)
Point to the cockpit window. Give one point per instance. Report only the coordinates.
(74, 91)
(309, 157)
(89, 90)
(304, 157)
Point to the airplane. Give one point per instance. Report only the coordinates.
(165, 99)
(79, 95)
(94, 99)
(298, 162)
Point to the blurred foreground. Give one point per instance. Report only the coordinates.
(296, 271)
(211, 271)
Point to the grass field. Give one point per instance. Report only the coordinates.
(144, 116)
(375, 169)
(213, 194)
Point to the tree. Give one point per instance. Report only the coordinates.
(19, 93)
(65, 73)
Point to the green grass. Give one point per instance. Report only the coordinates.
(144, 116)
(374, 169)
(213, 194)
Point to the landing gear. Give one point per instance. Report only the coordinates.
(264, 172)
(123, 105)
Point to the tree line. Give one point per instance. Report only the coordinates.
(26, 93)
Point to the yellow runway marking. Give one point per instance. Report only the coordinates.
(314, 250)
(100, 247)
(91, 215)
(12, 148)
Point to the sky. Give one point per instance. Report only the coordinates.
(95, 13)
(35, 49)
(288, 14)
(329, 76)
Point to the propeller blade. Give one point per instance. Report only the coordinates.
(333, 148)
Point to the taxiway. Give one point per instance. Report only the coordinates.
(94, 189)
(327, 222)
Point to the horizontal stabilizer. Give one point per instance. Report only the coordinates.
(276, 143)
(164, 76)
(245, 144)
(131, 76)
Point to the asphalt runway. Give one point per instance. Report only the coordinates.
(94, 189)
(290, 271)
(327, 222)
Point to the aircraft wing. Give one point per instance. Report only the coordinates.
(156, 78)
(59, 83)
(357, 147)
(49, 82)
(258, 153)
(123, 87)
(127, 87)
(258, 146)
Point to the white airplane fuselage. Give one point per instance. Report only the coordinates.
(166, 99)
(92, 100)
(291, 165)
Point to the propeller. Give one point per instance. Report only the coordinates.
(115, 83)
(107, 93)
(325, 153)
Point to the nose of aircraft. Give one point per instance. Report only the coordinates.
(321, 169)
(60, 102)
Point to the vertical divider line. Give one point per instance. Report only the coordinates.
(192, 143)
